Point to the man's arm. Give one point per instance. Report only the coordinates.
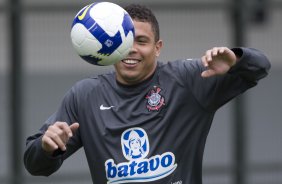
(44, 152)
(222, 60)
(37, 161)
(223, 73)
(57, 139)
(255, 69)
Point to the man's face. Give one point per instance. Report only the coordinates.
(141, 60)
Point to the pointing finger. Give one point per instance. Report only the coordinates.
(74, 127)
(65, 128)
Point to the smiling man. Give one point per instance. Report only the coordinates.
(141, 61)
(145, 122)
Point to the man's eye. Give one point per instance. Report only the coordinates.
(142, 41)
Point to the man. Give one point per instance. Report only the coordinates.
(168, 108)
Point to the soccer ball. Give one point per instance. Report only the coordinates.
(102, 33)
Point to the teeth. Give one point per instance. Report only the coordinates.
(130, 61)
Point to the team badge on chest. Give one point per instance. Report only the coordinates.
(155, 101)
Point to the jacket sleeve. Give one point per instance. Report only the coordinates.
(36, 160)
(252, 66)
(213, 92)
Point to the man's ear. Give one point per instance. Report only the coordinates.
(159, 46)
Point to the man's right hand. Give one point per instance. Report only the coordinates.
(57, 136)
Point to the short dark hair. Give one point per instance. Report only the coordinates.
(143, 14)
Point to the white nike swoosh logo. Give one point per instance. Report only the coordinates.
(102, 107)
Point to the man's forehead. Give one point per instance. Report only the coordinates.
(142, 26)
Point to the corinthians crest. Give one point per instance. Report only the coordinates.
(155, 100)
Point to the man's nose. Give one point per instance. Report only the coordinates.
(133, 49)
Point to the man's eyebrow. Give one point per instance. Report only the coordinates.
(142, 37)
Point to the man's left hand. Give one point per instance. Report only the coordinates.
(218, 61)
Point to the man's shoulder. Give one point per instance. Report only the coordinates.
(94, 81)
(180, 64)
